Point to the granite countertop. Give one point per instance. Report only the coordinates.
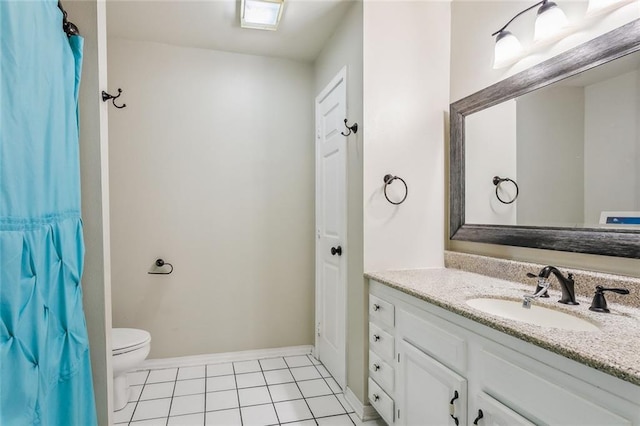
(615, 349)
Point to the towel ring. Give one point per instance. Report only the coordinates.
(497, 181)
(388, 179)
(160, 263)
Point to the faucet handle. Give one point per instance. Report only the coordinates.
(599, 303)
(541, 288)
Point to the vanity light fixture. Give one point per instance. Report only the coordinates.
(261, 14)
(550, 21)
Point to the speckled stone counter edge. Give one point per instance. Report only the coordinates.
(512, 270)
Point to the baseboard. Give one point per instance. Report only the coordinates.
(191, 361)
(365, 412)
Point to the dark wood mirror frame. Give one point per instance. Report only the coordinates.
(610, 242)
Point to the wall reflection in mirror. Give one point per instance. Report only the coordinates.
(573, 148)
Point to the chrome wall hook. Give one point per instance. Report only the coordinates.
(353, 128)
(106, 96)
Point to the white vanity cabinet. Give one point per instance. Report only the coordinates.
(449, 370)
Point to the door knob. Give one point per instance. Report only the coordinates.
(336, 250)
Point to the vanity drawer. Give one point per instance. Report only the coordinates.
(381, 372)
(381, 312)
(381, 342)
(381, 401)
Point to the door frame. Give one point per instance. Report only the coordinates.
(341, 76)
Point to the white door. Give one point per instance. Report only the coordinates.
(429, 393)
(331, 227)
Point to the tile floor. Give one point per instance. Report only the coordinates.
(295, 390)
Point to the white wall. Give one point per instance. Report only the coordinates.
(345, 48)
(406, 97)
(472, 24)
(550, 157)
(212, 170)
(90, 17)
(611, 146)
(490, 150)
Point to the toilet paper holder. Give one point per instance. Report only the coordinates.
(159, 264)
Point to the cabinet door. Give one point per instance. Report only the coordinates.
(429, 393)
(491, 412)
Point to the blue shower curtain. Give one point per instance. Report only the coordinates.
(45, 372)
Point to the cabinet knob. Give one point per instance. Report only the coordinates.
(336, 250)
(376, 307)
(376, 367)
(376, 337)
(480, 415)
(375, 397)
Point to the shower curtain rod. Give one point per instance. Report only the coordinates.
(69, 27)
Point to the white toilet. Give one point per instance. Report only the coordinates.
(130, 348)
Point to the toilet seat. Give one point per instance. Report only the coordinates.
(128, 339)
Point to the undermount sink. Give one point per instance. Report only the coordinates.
(536, 315)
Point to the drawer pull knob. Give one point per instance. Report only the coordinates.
(376, 307)
(376, 338)
(480, 415)
(452, 408)
(376, 367)
(375, 397)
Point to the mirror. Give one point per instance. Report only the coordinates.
(550, 158)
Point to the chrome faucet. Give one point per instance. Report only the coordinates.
(566, 285)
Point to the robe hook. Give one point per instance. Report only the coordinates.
(106, 97)
(353, 128)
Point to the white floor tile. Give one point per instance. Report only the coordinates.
(284, 392)
(335, 387)
(302, 423)
(150, 422)
(254, 396)
(275, 377)
(224, 417)
(164, 375)
(323, 371)
(221, 383)
(189, 387)
(125, 414)
(186, 373)
(222, 400)
(317, 387)
(344, 402)
(157, 390)
(187, 420)
(246, 367)
(259, 415)
(250, 380)
(293, 411)
(137, 378)
(152, 409)
(305, 373)
(272, 364)
(219, 369)
(323, 406)
(297, 361)
(134, 392)
(187, 404)
(343, 420)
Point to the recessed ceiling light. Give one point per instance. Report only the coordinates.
(261, 14)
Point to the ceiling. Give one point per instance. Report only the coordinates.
(305, 27)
